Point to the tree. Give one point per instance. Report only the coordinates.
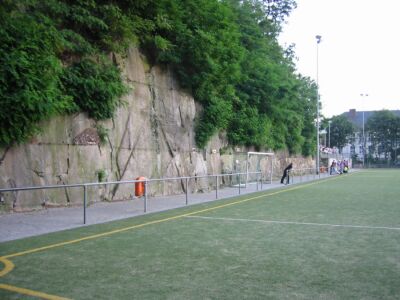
(224, 52)
(342, 131)
(383, 128)
(269, 85)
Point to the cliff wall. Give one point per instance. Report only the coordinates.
(152, 135)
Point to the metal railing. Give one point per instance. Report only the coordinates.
(178, 191)
(307, 174)
(216, 181)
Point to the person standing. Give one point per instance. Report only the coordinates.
(341, 167)
(332, 168)
(286, 173)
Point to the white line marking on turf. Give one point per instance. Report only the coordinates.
(296, 223)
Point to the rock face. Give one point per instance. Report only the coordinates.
(152, 135)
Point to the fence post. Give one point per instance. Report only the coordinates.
(261, 180)
(187, 188)
(84, 203)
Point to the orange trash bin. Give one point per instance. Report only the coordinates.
(139, 187)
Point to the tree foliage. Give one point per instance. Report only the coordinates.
(342, 131)
(383, 129)
(224, 51)
(95, 87)
(29, 75)
(44, 64)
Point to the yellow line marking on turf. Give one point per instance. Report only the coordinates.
(157, 221)
(10, 266)
(91, 237)
(32, 293)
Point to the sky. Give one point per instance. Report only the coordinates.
(359, 52)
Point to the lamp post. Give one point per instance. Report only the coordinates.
(318, 37)
(364, 144)
(329, 133)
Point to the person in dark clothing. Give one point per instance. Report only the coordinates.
(286, 173)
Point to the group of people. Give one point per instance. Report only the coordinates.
(328, 150)
(339, 167)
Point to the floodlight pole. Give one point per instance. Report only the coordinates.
(364, 144)
(318, 37)
(329, 134)
(363, 132)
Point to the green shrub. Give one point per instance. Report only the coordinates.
(95, 87)
(29, 76)
(38, 39)
(103, 133)
(101, 175)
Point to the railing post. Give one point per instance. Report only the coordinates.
(187, 188)
(239, 183)
(257, 180)
(272, 169)
(216, 187)
(84, 202)
(145, 196)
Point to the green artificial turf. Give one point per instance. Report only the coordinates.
(280, 244)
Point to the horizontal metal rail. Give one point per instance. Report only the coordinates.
(59, 186)
(145, 181)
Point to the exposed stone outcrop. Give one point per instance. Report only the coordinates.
(152, 135)
(89, 136)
